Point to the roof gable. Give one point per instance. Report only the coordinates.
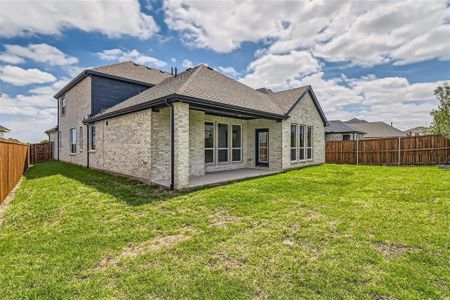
(288, 99)
(125, 71)
(205, 85)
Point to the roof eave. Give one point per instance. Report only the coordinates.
(186, 99)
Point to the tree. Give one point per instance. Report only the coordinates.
(441, 114)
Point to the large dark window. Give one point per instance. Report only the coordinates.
(310, 143)
(209, 143)
(73, 140)
(92, 138)
(346, 137)
(293, 142)
(236, 143)
(222, 148)
(302, 142)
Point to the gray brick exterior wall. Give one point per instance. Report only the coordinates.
(138, 144)
(78, 107)
(123, 145)
(304, 113)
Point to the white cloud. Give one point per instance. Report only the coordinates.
(278, 71)
(134, 55)
(223, 26)
(230, 71)
(43, 53)
(28, 116)
(365, 33)
(112, 18)
(20, 77)
(389, 99)
(187, 63)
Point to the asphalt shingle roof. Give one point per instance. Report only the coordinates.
(134, 71)
(378, 130)
(204, 83)
(337, 126)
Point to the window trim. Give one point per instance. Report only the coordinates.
(213, 146)
(309, 146)
(92, 138)
(228, 144)
(236, 148)
(296, 143)
(300, 148)
(63, 107)
(72, 136)
(81, 138)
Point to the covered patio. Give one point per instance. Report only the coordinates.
(227, 176)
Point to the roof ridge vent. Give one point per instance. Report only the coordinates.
(265, 90)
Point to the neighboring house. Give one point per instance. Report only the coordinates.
(53, 138)
(418, 131)
(374, 130)
(3, 130)
(133, 120)
(340, 131)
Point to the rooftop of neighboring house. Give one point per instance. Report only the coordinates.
(4, 129)
(336, 126)
(202, 85)
(418, 129)
(375, 129)
(53, 129)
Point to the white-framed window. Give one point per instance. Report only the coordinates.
(81, 138)
(92, 137)
(222, 143)
(73, 140)
(309, 151)
(59, 140)
(209, 143)
(236, 143)
(62, 103)
(294, 145)
(301, 155)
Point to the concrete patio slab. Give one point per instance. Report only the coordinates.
(227, 176)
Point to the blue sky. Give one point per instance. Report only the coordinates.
(377, 62)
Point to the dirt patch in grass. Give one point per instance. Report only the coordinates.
(221, 219)
(155, 244)
(225, 261)
(391, 250)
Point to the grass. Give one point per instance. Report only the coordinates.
(333, 231)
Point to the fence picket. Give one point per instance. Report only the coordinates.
(416, 150)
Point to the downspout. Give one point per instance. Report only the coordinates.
(172, 144)
(87, 146)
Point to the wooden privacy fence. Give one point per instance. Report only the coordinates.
(14, 161)
(415, 150)
(41, 152)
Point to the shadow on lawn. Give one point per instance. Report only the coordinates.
(131, 191)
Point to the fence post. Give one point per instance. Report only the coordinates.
(357, 152)
(399, 151)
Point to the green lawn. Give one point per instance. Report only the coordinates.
(333, 231)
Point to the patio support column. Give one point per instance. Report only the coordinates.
(181, 145)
